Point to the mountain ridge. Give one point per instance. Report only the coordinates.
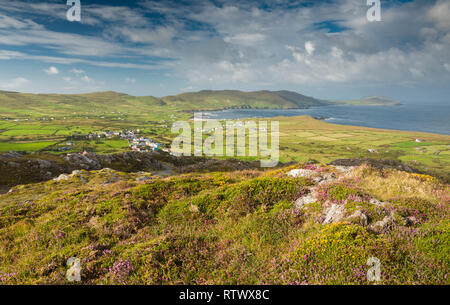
(63, 104)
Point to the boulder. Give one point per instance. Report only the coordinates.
(383, 226)
(360, 217)
(302, 201)
(335, 214)
(62, 177)
(44, 164)
(13, 164)
(344, 169)
(307, 173)
(11, 155)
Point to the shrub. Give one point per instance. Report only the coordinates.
(337, 254)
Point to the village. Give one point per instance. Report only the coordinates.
(136, 141)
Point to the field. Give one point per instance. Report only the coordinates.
(301, 139)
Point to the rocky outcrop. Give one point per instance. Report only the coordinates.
(335, 214)
(383, 226)
(332, 212)
(17, 168)
(379, 164)
(302, 201)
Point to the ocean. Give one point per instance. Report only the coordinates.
(409, 117)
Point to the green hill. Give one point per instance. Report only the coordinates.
(213, 100)
(14, 104)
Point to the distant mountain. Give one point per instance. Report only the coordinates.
(25, 104)
(371, 101)
(226, 99)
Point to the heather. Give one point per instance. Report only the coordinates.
(302, 224)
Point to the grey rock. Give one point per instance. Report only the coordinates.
(43, 164)
(344, 169)
(377, 202)
(11, 155)
(13, 164)
(62, 177)
(335, 214)
(362, 218)
(143, 178)
(84, 180)
(302, 201)
(384, 225)
(296, 173)
(110, 181)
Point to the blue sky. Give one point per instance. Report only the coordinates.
(326, 49)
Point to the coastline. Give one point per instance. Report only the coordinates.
(405, 117)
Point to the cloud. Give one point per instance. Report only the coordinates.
(9, 22)
(52, 71)
(439, 14)
(245, 39)
(243, 43)
(145, 35)
(87, 79)
(77, 71)
(130, 80)
(15, 83)
(447, 67)
(309, 48)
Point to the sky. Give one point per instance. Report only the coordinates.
(326, 49)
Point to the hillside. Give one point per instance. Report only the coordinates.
(37, 105)
(306, 224)
(212, 100)
(20, 105)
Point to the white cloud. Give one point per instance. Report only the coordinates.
(447, 67)
(245, 39)
(87, 79)
(77, 71)
(18, 82)
(439, 14)
(145, 35)
(309, 48)
(236, 44)
(130, 80)
(52, 71)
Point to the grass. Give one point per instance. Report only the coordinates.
(221, 228)
(27, 146)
